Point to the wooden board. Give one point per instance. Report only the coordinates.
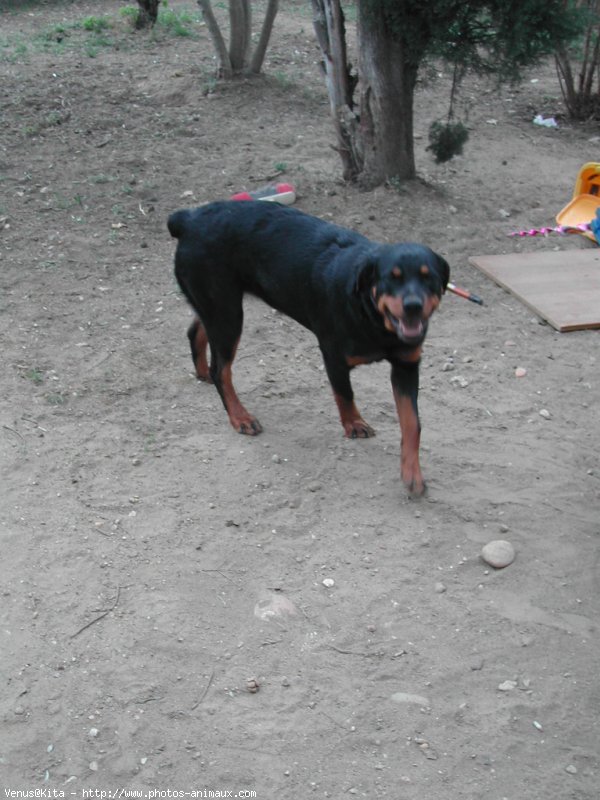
(562, 287)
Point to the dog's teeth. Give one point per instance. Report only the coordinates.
(410, 331)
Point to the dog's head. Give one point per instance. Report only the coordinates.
(406, 283)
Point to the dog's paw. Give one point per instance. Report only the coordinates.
(204, 375)
(417, 489)
(414, 483)
(358, 429)
(249, 426)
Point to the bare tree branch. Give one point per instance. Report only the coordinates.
(225, 66)
(265, 34)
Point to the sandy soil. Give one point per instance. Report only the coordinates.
(154, 562)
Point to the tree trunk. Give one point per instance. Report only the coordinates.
(240, 17)
(387, 83)
(147, 14)
(375, 135)
(328, 20)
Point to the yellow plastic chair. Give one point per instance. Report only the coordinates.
(586, 199)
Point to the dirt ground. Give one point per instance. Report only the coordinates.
(155, 563)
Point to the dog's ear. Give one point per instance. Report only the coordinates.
(444, 271)
(366, 275)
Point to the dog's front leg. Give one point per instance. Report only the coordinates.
(338, 372)
(405, 384)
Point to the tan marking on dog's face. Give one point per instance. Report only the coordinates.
(395, 307)
(395, 320)
(424, 270)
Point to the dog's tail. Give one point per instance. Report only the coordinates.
(176, 223)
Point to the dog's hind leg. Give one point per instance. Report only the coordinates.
(223, 334)
(198, 343)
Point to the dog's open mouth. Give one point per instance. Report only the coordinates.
(406, 329)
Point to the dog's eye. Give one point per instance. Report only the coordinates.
(428, 277)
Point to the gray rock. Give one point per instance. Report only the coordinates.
(498, 554)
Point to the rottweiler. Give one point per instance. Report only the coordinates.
(364, 301)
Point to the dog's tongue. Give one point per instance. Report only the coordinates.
(409, 330)
(405, 328)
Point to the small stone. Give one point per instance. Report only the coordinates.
(328, 583)
(285, 681)
(460, 381)
(93, 732)
(94, 766)
(135, 462)
(448, 366)
(439, 588)
(571, 769)
(507, 686)
(274, 605)
(498, 554)
(545, 413)
(252, 685)
(276, 459)
(314, 486)
(405, 697)
(520, 372)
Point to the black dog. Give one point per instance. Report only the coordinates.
(363, 301)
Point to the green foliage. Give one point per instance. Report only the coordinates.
(397, 184)
(95, 24)
(497, 36)
(130, 13)
(171, 22)
(56, 398)
(176, 24)
(90, 35)
(447, 139)
(282, 79)
(35, 375)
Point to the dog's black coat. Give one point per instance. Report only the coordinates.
(363, 301)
